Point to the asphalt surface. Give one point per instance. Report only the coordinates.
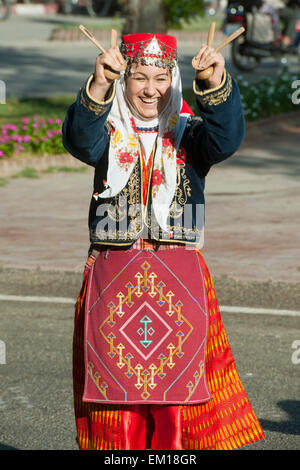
(251, 247)
(36, 409)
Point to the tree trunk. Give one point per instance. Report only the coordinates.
(145, 16)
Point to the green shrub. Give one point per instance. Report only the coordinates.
(263, 99)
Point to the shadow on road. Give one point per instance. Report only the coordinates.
(286, 163)
(49, 74)
(60, 19)
(292, 425)
(5, 447)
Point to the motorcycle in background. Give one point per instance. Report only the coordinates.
(257, 42)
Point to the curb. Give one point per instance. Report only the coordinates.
(11, 166)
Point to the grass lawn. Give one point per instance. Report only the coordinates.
(199, 23)
(103, 25)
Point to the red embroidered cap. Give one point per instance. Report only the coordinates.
(149, 49)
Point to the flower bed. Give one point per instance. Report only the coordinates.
(39, 136)
(270, 96)
(34, 136)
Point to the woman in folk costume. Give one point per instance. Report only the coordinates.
(152, 366)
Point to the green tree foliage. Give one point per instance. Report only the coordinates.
(157, 16)
(177, 11)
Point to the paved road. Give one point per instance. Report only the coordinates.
(36, 409)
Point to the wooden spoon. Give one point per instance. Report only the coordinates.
(204, 74)
(108, 72)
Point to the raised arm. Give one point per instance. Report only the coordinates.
(221, 129)
(85, 134)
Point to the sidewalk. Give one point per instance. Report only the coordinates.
(253, 207)
(252, 212)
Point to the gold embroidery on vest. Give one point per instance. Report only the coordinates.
(182, 195)
(88, 104)
(129, 195)
(218, 97)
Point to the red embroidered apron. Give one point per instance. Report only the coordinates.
(146, 321)
(226, 421)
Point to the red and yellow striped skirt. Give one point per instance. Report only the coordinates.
(227, 421)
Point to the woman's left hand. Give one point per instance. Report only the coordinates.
(208, 57)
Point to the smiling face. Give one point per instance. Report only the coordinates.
(148, 89)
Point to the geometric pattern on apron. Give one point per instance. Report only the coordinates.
(146, 329)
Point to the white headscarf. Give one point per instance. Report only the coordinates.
(124, 149)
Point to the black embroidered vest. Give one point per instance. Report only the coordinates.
(122, 219)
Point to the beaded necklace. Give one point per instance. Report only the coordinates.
(147, 134)
(146, 130)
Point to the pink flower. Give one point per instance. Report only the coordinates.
(156, 177)
(26, 138)
(44, 138)
(24, 128)
(35, 125)
(17, 138)
(1, 153)
(125, 157)
(50, 134)
(58, 121)
(35, 116)
(21, 148)
(25, 120)
(50, 121)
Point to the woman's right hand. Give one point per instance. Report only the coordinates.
(111, 59)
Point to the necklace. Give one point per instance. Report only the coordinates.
(146, 130)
